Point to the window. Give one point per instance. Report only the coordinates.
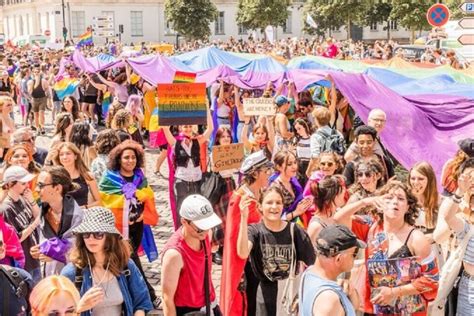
(40, 25)
(136, 24)
(47, 20)
(373, 26)
(78, 23)
(169, 28)
(393, 25)
(242, 30)
(287, 26)
(220, 24)
(20, 23)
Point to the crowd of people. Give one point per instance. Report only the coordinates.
(316, 192)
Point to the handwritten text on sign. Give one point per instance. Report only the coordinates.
(182, 104)
(225, 157)
(259, 106)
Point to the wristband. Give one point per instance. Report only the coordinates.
(456, 199)
(459, 197)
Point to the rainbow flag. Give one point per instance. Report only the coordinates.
(85, 39)
(65, 87)
(106, 101)
(117, 194)
(184, 77)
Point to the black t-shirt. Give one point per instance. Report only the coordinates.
(40, 155)
(271, 251)
(20, 216)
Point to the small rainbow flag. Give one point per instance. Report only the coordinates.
(85, 39)
(65, 87)
(184, 77)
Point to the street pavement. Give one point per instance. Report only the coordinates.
(163, 231)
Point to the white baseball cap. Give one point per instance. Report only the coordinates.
(17, 173)
(197, 209)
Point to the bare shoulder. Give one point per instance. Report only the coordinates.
(327, 304)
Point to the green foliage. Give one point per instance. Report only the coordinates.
(191, 18)
(453, 5)
(331, 14)
(258, 14)
(411, 14)
(378, 12)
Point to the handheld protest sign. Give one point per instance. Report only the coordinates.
(182, 104)
(259, 106)
(225, 157)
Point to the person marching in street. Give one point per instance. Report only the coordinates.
(186, 261)
(38, 88)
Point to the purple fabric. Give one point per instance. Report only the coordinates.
(55, 248)
(213, 75)
(96, 63)
(154, 69)
(421, 127)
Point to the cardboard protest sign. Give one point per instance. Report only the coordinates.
(225, 157)
(182, 104)
(259, 106)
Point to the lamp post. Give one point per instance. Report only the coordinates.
(64, 22)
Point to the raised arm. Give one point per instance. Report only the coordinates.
(169, 137)
(106, 82)
(244, 246)
(344, 214)
(210, 127)
(98, 86)
(450, 206)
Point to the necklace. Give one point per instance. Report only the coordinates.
(55, 217)
(391, 236)
(102, 280)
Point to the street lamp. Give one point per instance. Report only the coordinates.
(64, 22)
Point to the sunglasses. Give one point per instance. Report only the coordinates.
(367, 174)
(97, 236)
(326, 164)
(41, 185)
(196, 229)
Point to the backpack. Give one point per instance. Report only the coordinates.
(332, 142)
(15, 290)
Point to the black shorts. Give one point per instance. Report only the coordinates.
(163, 147)
(89, 99)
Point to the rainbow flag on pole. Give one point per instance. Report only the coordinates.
(184, 77)
(85, 39)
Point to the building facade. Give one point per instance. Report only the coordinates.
(140, 21)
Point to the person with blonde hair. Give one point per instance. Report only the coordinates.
(54, 295)
(6, 124)
(70, 157)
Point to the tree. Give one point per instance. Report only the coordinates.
(411, 14)
(191, 18)
(456, 13)
(379, 12)
(335, 13)
(258, 14)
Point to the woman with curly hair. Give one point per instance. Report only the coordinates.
(368, 178)
(114, 108)
(125, 190)
(124, 122)
(81, 136)
(70, 157)
(111, 283)
(105, 142)
(393, 241)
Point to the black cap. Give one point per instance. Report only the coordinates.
(334, 239)
(467, 145)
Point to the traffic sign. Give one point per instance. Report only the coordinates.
(103, 33)
(103, 26)
(47, 33)
(438, 15)
(467, 23)
(467, 7)
(466, 39)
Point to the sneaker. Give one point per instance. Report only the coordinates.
(156, 303)
(33, 128)
(217, 258)
(43, 132)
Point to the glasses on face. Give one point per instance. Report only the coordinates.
(97, 236)
(326, 164)
(196, 229)
(41, 185)
(377, 120)
(361, 174)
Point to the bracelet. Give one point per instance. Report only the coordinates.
(456, 199)
(459, 197)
